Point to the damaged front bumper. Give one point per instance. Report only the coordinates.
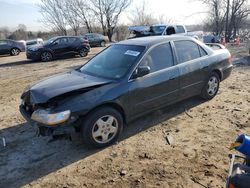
(66, 127)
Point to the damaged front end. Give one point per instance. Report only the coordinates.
(45, 120)
(47, 104)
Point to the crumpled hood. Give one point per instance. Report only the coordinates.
(61, 84)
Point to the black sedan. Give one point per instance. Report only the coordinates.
(126, 80)
(11, 47)
(57, 47)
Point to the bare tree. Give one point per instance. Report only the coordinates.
(142, 16)
(83, 10)
(53, 15)
(108, 12)
(227, 16)
(4, 32)
(239, 12)
(71, 15)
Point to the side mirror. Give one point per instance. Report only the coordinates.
(141, 71)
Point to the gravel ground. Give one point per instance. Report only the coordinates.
(198, 157)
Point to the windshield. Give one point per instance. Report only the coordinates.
(158, 29)
(114, 62)
(50, 41)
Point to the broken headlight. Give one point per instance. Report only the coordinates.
(44, 117)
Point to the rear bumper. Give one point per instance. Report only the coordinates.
(226, 72)
(45, 130)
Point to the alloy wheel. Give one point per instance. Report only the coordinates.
(105, 129)
(46, 56)
(15, 51)
(213, 85)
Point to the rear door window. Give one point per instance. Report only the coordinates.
(72, 39)
(187, 51)
(159, 58)
(180, 29)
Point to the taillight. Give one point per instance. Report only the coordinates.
(231, 186)
(85, 41)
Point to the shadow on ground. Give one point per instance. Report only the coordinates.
(28, 157)
(27, 61)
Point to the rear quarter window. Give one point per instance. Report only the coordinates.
(187, 51)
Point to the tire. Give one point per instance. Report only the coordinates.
(211, 86)
(14, 51)
(83, 52)
(46, 56)
(102, 127)
(103, 44)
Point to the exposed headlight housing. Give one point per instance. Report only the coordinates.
(44, 117)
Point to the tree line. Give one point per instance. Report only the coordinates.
(74, 17)
(74, 14)
(227, 17)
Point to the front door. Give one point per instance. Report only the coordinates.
(160, 87)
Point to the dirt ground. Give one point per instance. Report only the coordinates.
(198, 157)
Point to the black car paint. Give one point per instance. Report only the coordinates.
(94, 39)
(132, 97)
(6, 48)
(57, 50)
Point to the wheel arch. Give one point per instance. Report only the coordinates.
(112, 105)
(217, 71)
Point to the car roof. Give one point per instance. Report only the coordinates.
(153, 40)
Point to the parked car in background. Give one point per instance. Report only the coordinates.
(57, 47)
(126, 80)
(37, 41)
(162, 29)
(95, 39)
(11, 47)
(211, 39)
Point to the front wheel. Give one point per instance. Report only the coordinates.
(102, 127)
(46, 56)
(211, 86)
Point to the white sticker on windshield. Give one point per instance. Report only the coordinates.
(132, 53)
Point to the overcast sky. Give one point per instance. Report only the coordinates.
(14, 12)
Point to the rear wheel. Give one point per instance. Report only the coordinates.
(83, 52)
(211, 87)
(46, 56)
(102, 127)
(14, 51)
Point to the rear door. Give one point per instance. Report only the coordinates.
(73, 44)
(191, 59)
(60, 46)
(158, 88)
